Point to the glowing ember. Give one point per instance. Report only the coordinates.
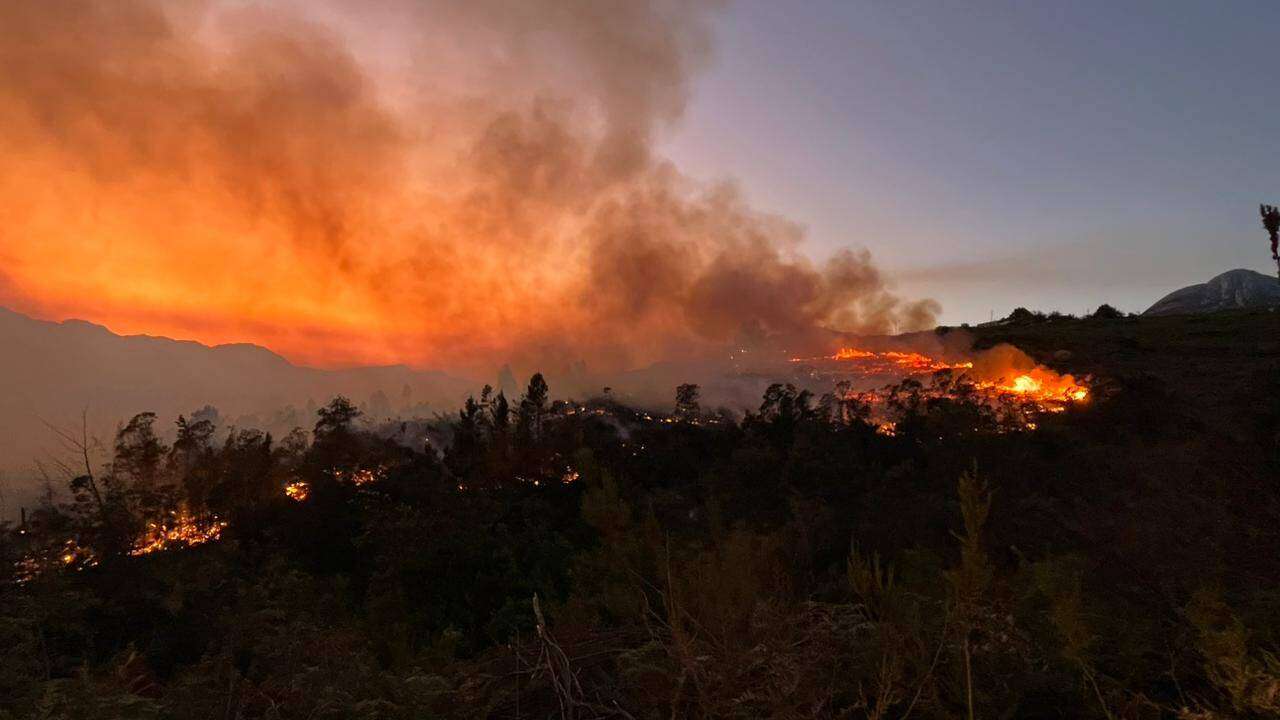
(1018, 394)
(892, 362)
(359, 476)
(1038, 384)
(69, 555)
(181, 530)
(297, 491)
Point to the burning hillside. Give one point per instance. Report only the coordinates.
(1003, 378)
(869, 363)
(181, 529)
(177, 529)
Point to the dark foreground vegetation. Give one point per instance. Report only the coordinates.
(579, 560)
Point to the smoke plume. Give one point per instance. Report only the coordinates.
(436, 183)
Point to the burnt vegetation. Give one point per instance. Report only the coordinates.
(586, 560)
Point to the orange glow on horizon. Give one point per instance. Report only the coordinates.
(224, 173)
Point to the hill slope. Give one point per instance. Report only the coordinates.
(54, 371)
(1232, 290)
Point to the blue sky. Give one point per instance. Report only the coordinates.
(995, 154)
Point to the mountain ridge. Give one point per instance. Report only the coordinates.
(1232, 290)
(55, 371)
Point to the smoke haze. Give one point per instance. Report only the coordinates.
(449, 184)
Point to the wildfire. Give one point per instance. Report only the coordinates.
(70, 555)
(297, 491)
(995, 379)
(1039, 384)
(359, 476)
(1043, 386)
(181, 530)
(891, 362)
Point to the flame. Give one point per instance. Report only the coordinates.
(359, 476)
(297, 491)
(1025, 384)
(1033, 391)
(1041, 385)
(181, 530)
(869, 362)
(71, 555)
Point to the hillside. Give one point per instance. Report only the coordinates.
(55, 371)
(1064, 567)
(1225, 365)
(1232, 290)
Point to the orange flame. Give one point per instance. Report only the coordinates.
(1042, 388)
(889, 362)
(297, 491)
(1043, 385)
(181, 530)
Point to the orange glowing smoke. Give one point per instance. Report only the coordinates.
(255, 172)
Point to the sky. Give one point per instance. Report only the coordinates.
(997, 154)
(464, 184)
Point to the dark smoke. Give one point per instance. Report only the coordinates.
(437, 183)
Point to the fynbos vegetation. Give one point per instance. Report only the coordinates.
(586, 560)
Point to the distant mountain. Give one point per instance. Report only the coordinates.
(54, 371)
(1232, 290)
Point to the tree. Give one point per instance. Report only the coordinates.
(193, 439)
(98, 505)
(785, 404)
(135, 468)
(500, 414)
(336, 418)
(484, 416)
(1106, 312)
(468, 441)
(138, 451)
(1022, 315)
(533, 406)
(190, 459)
(687, 406)
(210, 413)
(247, 481)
